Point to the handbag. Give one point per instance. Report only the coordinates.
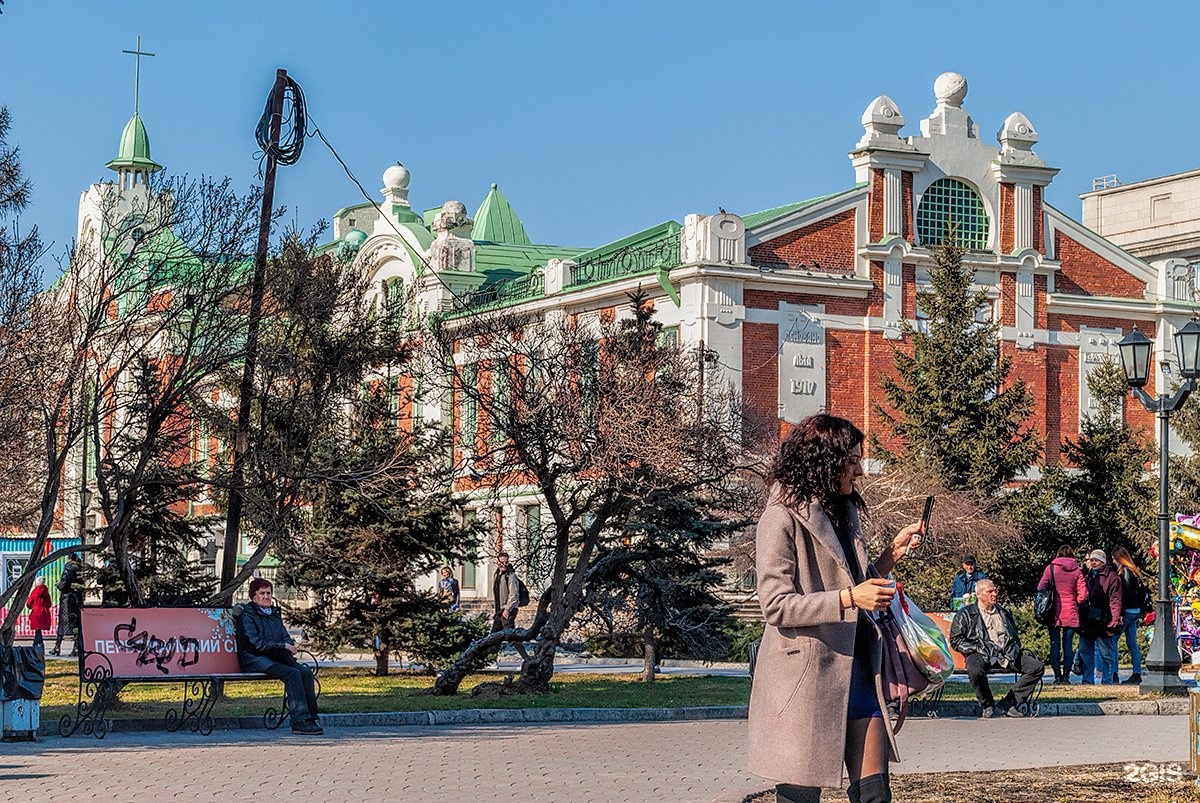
(1043, 602)
(1146, 603)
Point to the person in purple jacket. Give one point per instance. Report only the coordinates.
(1063, 572)
(1099, 617)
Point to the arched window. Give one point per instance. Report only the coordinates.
(950, 202)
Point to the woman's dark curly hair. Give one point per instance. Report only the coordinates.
(811, 459)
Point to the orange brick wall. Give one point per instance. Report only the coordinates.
(875, 207)
(906, 212)
(1007, 216)
(1038, 232)
(1086, 273)
(828, 243)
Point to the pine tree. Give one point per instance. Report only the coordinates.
(381, 517)
(954, 411)
(661, 578)
(1097, 497)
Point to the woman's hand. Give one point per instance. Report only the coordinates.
(874, 594)
(908, 538)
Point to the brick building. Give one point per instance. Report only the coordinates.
(798, 306)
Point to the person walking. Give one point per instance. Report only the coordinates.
(38, 604)
(1063, 574)
(816, 702)
(70, 600)
(1131, 608)
(448, 590)
(1099, 617)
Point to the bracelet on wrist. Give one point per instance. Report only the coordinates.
(850, 593)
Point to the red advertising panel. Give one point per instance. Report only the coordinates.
(159, 642)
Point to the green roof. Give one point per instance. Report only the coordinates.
(500, 261)
(496, 222)
(134, 150)
(642, 237)
(767, 215)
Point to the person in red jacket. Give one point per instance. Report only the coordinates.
(1063, 572)
(39, 606)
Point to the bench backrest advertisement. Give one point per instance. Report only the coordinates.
(162, 642)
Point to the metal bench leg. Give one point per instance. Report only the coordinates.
(196, 709)
(97, 690)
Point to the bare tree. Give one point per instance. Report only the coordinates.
(594, 416)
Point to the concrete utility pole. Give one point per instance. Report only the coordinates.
(233, 520)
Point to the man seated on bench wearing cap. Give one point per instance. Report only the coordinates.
(265, 646)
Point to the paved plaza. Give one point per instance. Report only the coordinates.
(670, 761)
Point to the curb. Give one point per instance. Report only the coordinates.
(494, 716)
(466, 716)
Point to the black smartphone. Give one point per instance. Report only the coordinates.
(925, 516)
(919, 537)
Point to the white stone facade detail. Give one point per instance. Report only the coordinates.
(802, 371)
(719, 238)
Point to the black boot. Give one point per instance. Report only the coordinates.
(872, 789)
(790, 793)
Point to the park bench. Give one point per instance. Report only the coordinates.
(193, 647)
(928, 703)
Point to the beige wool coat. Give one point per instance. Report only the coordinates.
(802, 677)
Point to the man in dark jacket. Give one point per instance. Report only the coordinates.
(985, 633)
(265, 646)
(1099, 618)
(70, 599)
(506, 594)
(964, 582)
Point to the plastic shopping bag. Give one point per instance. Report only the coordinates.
(930, 652)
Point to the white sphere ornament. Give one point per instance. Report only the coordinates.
(950, 89)
(396, 177)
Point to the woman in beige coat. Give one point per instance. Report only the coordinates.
(816, 701)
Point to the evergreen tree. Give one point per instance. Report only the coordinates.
(1097, 497)
(954, 411)
(660, 580)
(1184, 473)
(381, 516)
(1107, 498)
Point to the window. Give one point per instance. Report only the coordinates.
(393, 295)
(468, 406)
(668, 337)
(950, 203)
(468, 569)
(500, 417)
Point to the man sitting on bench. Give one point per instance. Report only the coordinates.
(984, 632)
(265, 646)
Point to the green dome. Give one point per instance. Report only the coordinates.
(354, 237)
(134, 150)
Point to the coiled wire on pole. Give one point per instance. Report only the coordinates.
(292, 132)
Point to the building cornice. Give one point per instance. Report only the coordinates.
(1104, 306)
(806, 216)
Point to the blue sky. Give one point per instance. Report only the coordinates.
(596, 119)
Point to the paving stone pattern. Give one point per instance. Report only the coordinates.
(697, 761)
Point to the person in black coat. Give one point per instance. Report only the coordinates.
(265, 646)
(985, 633)
(70, 598)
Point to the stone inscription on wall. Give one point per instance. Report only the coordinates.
(1096, 346)
(801, 362)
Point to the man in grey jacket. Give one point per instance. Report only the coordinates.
(506, 594)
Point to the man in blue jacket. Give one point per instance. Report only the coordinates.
(265, 646)
(964, 582)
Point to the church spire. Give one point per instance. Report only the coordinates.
(133, 163)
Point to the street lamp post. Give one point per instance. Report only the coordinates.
(1163, 662)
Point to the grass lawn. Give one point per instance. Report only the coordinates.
(355, 690)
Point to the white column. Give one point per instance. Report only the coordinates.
(893, 195)
(1022, 217)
